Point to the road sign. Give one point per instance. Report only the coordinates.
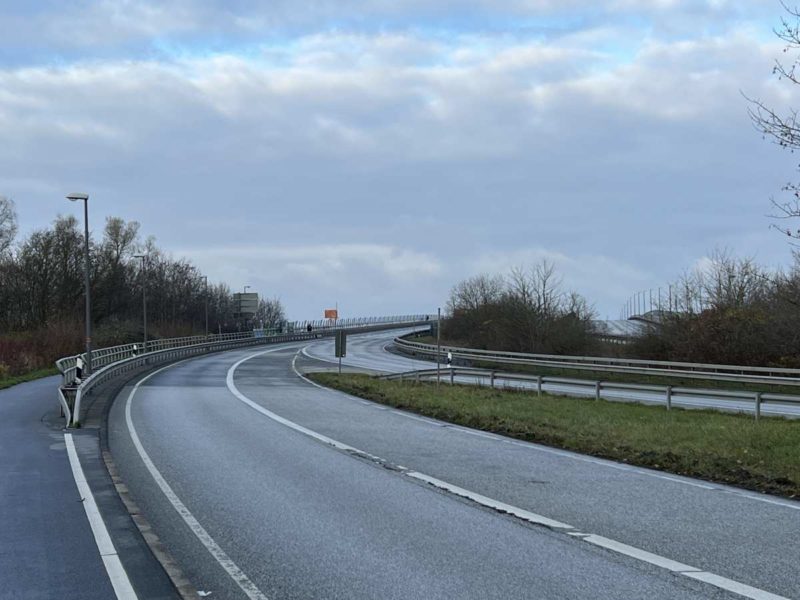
(245, 305)
(331, 313)
(341, 344)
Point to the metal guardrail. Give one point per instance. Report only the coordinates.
(108, 363)
(595, 388)
(735, 373)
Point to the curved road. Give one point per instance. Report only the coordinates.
(262, 485)
(369, 352)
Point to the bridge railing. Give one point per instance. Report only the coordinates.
(712, 372)
(734, 400)
(108, 363)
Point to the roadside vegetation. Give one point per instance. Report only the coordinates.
(42, 292)
(726, 448)
(7, 382)
(727, 311)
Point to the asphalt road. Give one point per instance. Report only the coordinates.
(262, 485)
(370, 353)
(47, 549)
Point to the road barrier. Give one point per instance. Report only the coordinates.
(712, 372)
(113, 362)
(594, 388)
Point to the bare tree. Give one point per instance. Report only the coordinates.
(269, 313)
(527, 311)
(8, 223)
(783, 128)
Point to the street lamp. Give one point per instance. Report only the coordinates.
(205, 278)
(74, 197)
(144, 297)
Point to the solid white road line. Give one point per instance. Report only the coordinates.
(116, 572)
(604, 463)
(502, 507)
(733, 586)
(609, 544)
(638, 554)
(230, 567)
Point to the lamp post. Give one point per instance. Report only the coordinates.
(205, 278)
(144, 297)
(74, 197)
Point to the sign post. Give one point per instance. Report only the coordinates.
(438, 346)
(341, 347)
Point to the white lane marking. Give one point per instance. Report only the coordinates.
(609, 544)
(573, 456)
(116, 572)
(291, 424)
(480, 434)
(413, 417)
(230, 567)
(638, 554)
(734, 586)
(303, 377)
(502, 507)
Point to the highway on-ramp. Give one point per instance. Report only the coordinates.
(371, 352)
(262, 485)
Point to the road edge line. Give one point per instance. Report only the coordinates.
(609, 544)
(105, 546)
(222, 558)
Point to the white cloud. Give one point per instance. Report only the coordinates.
(345, 159)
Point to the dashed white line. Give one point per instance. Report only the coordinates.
(116, 572)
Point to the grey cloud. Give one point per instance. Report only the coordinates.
(635, 169)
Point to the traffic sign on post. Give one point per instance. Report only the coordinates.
(341, 347)
(341, 344)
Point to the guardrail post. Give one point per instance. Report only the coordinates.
(597, 386)
(451, 375)
(416, 376)
(669, 397)
(491, 379)
(758, 405)
(539, 385)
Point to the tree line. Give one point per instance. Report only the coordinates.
(42, 290)
(525, 311)
(730, 310)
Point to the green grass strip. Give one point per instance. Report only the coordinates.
(7, 382)
(726, 448)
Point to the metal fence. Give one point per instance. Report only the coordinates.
(108, 363)
(712, 372)
(594, 388)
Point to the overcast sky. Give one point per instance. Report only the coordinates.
(376, 152)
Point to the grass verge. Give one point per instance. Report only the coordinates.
(7, 382)
(726, 448)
